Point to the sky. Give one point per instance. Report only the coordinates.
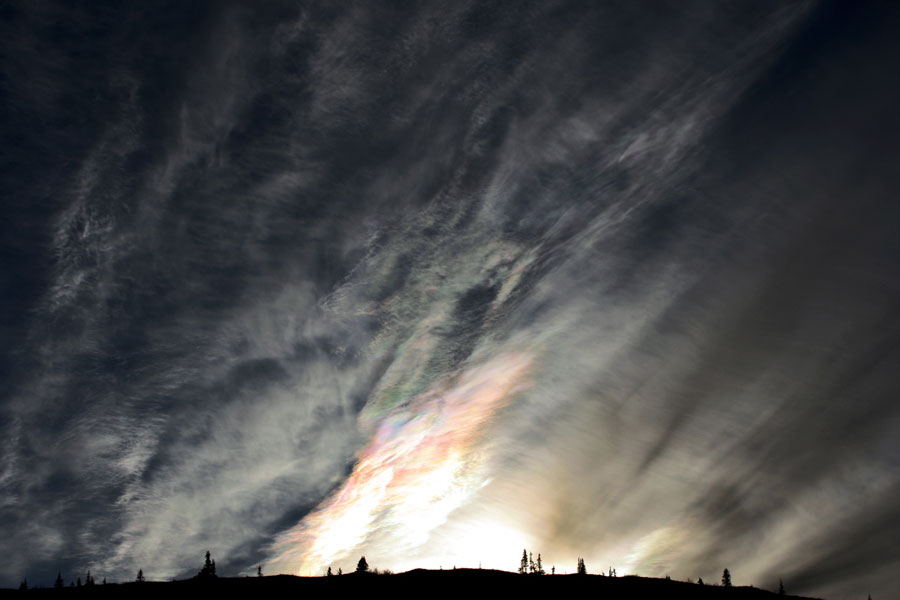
(435, 282)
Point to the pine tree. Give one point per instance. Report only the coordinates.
(78, 581)
(340, 571)
(781, 587)
(209, 568)
(540, 566)
(531, 568)
(553, 570)
(328, 572)
(24, 585)
(259, 571)
(140, 576)
(523, 565)
(362, 566)
(582, 570)
(104, 581)
(59, 583)
(726, 578)
(700, 581)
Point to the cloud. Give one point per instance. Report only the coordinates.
(435, 285)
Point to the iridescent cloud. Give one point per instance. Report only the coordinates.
(424, 460)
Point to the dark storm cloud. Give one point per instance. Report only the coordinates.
(234, 239)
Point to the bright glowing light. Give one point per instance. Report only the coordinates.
(424, 461)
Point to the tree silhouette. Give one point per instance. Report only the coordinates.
(726, 578)
(259, 571)
(59, 583)
(140, 576)
(781, 587)
(78, 581)
(104, 581)
(209, 568)
(89, 580)
(523, 565)
(540, 566)
(340, 571)
(531, 568)
(24, 585)
(700, 581)
(582, 570)
(362, 566)
(328, 572)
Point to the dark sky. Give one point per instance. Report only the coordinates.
(434, 282)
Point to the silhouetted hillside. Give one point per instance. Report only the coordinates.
(415, 584)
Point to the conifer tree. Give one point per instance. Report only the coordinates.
(328, 572)
(259, 571)
(540, 566)
(59, 583)
(140, 576)
(24, 585)
(209, 568)
(726, 578)
(781, 588)
(582, 570)
(78, 581)
(523, 565)
(531, 568)
(362, 566)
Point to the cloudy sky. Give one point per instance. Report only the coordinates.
(436, 282)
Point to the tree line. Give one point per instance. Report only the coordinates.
(527, 565)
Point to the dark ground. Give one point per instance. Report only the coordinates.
(417, 583)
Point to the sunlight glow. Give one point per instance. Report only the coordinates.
(423, 462)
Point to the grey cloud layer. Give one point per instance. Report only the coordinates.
(232, 233)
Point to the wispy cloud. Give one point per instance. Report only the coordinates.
(436, 284)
